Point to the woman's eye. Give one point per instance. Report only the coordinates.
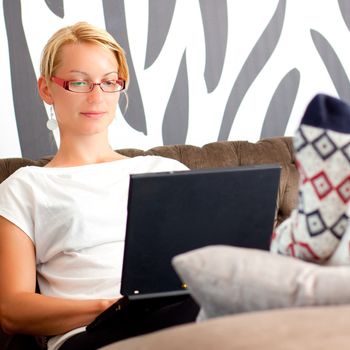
(79, 83)
(109, 82)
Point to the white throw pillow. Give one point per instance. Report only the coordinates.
(225, 280)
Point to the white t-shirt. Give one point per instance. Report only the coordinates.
(76, 218)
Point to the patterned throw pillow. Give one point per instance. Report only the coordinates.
(318, 228)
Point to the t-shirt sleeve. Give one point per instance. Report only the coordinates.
(168, 164)
(16, 203)
(180, 166)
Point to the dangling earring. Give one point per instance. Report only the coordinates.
(51, 124)
(126, 101)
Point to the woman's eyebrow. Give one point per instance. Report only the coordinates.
(87, 74)
(78, 71)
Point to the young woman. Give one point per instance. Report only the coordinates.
(64, 224)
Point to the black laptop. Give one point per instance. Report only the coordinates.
(170, 213)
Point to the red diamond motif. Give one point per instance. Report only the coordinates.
(321, 184)
(303, 250)
(343, 190)
(308, 249)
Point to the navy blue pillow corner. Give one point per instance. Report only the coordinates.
(328, 112)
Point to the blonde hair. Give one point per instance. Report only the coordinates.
(80, 32)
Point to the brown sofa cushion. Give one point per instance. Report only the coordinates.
(319, 328)
(216, 154)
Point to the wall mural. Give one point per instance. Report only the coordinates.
(201, 70)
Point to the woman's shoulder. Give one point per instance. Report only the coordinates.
(23, 180)
(21, 174)
(159, 163)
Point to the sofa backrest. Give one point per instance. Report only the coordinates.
(216, 154)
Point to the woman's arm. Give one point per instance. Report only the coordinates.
(21, 309)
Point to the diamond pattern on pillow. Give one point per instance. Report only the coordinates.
(315, 223)
(324, 146)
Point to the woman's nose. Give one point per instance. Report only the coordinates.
(95, 95)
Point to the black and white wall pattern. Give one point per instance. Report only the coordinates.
(201, 70)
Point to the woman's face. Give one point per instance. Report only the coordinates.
(85, 113)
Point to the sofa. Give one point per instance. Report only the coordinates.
(309, 327)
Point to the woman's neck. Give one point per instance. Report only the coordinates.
(91, 151)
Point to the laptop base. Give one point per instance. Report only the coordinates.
(135, 307)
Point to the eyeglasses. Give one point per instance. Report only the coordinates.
(84, 86)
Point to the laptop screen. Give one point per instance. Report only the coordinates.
(171, 213)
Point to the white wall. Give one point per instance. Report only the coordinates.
(296, 50)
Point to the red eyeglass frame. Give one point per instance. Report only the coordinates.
(65, 84)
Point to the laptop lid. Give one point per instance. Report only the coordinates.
(173, 212)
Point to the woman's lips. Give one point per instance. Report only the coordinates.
(93, 115)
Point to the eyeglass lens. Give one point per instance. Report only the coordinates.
(87, 86)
